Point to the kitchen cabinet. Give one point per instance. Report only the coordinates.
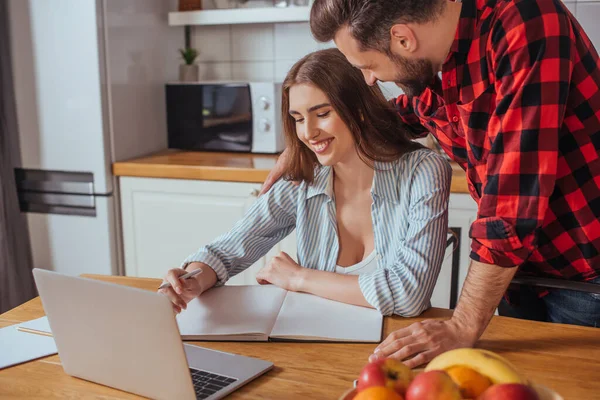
(164, 220)
(462, 213)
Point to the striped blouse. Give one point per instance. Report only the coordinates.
(410, 222)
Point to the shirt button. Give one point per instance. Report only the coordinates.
(455, 119)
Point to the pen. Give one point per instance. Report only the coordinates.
(184, 276)
(35, 331)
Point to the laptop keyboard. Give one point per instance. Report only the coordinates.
(207, 384)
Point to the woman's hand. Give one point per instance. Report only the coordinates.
(281, 271)
(181, 291)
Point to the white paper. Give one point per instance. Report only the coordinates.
(231, 310)
(305, 316)
(40, 325)
(17, 347)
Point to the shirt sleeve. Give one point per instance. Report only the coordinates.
(405, 287)
(269, 220)
(531, 55)
(402, 105)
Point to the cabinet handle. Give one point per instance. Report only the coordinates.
(255, 193)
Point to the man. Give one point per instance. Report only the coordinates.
(518, 107)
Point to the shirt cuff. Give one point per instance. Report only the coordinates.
(495, 241)
(212, 261)
(375, 288)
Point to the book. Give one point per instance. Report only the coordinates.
(268, 313)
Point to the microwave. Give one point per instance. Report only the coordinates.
(225, 116)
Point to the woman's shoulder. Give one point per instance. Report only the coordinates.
(422, 160)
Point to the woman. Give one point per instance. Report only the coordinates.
(370, 211)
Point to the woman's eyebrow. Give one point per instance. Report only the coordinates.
(313, 108)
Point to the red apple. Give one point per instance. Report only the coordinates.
(433, 385)
(385, 372)
(513, 391)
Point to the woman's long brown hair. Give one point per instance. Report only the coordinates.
(378, 132)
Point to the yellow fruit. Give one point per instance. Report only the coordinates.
(470, 382)
(488, 364)
(377, 393)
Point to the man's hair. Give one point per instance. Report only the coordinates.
(369, 21)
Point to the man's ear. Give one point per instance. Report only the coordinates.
(402, 39)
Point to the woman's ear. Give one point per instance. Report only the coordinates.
(362, 116)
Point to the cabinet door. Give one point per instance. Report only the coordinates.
(443, 291)
(165, 220)
(462, 213)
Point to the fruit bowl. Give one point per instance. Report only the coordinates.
(543, 392)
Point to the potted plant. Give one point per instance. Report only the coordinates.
(188, 72)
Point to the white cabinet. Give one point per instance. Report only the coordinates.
(462, 213)
(165, 220)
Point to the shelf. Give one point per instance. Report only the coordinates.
(240, 16)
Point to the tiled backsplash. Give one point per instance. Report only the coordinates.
(267, 51)
(252, 52)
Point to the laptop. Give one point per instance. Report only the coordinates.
(128, 339)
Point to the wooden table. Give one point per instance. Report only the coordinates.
(563, 357)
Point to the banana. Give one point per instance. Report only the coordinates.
(495, 367)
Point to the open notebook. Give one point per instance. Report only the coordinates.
(262, 313)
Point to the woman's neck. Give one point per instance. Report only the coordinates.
(353, 173)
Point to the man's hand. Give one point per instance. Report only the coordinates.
(276, 172)
(281, 271)
(420, 342)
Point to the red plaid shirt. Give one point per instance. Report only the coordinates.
(518, 107)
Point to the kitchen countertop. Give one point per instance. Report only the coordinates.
(230, 167)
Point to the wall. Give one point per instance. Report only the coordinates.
(267, 51)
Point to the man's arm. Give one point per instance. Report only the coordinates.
(481, 293)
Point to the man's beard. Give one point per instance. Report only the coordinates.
(416, 74)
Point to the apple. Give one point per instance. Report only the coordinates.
(513, 391)
(385, 372)
(433, 385)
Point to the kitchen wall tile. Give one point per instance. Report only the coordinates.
(282, 67)
(293, 41)
(252, 71)
(588, 14)
(571, 5)
(213, 43)
(252, 42)
(215, 71)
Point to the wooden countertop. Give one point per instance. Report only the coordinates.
(230, 167)
(563, 357)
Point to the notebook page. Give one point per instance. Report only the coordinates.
(228, 311)
(308, 317)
